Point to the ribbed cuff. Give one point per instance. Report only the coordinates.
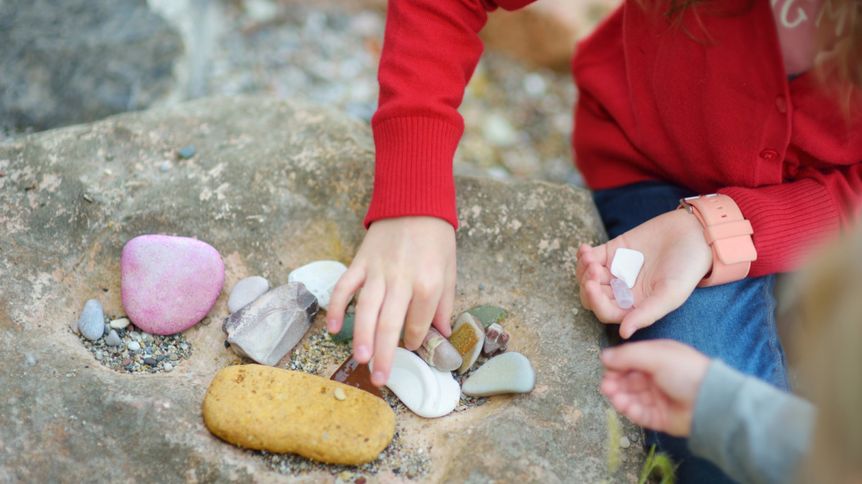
(788, 220)
(413, 169)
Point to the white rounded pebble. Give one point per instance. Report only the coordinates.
(91, 324)
(168, 367)
(339, 394)
(319, 278)
(627, 265)
(133, 346)
(120, 323)
(422, 389)
(245, 291)
(507, 373)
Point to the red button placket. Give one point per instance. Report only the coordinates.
(776, 138)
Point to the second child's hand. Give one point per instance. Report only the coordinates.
(405, 269)
(676, 258)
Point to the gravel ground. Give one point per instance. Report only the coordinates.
(155, 354)
(518, 121)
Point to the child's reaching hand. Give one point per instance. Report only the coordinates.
(654, 383)
(676, 258)
(406, 269)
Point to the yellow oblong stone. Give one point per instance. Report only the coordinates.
(282, 411)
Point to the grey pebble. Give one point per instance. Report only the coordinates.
(133, 346)
(165, 166)
(624, 442)
(150, 361)
(30, 359)
(98, 354)
(91, 324)
(168, 367)
(113, 339)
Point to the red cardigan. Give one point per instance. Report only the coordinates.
(705, 105)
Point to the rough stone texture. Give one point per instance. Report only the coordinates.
(81, 60)
(273, 186)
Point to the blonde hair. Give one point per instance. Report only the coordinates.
(825, 315)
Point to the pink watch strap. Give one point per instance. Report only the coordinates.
(729, 235)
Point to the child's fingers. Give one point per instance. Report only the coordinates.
(643, 356)
(367, 310)
(443, 315)
(344, 289)
(597, 272)
(421, 312)
(661, 301)
(599, 298)
(389, 330)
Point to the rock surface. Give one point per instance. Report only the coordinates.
(269, 327)
(81, 60)
(284, 411)
(282, 184)
(507, 373)
(169, 283)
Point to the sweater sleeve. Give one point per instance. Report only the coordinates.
(788, 219)
(430, 50)
(751, 430)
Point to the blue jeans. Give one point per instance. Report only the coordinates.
(733, 322)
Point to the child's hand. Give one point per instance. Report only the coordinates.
(406, 269)
(676, 258)
(654, 383)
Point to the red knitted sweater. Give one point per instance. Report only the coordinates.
(705, 104)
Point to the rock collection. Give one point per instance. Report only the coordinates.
(169, 283)
(270, 326)
(263, 408)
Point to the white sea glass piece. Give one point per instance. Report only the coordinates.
(627, 265)
(623, 295)
(448, 394)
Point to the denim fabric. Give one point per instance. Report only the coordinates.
(733, 322)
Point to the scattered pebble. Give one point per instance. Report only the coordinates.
(165, 166)
(339, 394)
(91, 324)
(120, 323)
(496, 340)
(186, 152)
(164, 351)
(624, 442)
(245, 291)
(113, 338)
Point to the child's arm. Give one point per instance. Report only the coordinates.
(406, 264)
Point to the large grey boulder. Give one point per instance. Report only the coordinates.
(273, 185)
(73, 61)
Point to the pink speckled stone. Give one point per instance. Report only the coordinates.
(169, 283)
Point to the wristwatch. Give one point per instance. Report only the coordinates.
(729, 235)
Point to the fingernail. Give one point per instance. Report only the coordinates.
(361, 353)
(378, 378)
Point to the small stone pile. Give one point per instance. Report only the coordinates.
(127, 349)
